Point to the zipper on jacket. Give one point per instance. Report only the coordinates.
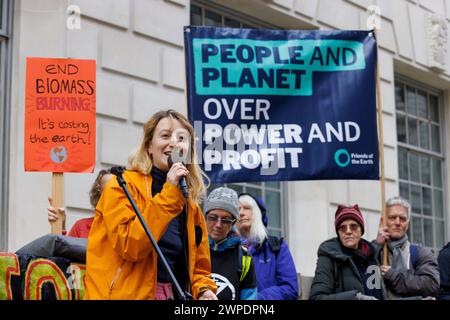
(119, 270)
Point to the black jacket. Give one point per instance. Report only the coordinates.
(444, 270)
(336, 276)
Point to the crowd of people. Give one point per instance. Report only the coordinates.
(223, 250)
(351, 268)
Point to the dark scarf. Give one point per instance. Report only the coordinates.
(363, 252)
(395, 248)
(363, 257)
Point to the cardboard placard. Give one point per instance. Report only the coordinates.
(60, 107)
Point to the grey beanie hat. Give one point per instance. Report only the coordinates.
(223, 198)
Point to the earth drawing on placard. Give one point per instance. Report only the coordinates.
(58, 154)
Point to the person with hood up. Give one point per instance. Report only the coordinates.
(347, 268)
(276, 275)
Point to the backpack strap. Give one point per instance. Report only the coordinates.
(413, 255)
(240, 255)
(244, 263)
(275, 243)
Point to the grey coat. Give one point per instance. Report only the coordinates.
(423, 280)
(336, 276)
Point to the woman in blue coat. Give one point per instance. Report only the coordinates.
(275, 269)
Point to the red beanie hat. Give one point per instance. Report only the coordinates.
(344, 213)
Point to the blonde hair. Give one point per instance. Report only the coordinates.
(258, 232)
(139, 160)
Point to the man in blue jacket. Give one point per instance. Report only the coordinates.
(275, 269)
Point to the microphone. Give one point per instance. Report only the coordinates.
(116, 170)
(178, 156)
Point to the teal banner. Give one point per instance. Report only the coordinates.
(246, 66)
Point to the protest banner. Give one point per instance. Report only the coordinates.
(277, 105)
(60, 126)
(60, 115)
(28, 277)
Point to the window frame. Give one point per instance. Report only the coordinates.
(5, 116)
(230, 13)
(427, 153)
(282, 190)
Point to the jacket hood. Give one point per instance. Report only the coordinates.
(135, 178)
(261, 205)
(333, 248)
(227, 243)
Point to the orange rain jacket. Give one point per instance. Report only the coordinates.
(121, 262)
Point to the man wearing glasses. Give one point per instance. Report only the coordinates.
(231, 267)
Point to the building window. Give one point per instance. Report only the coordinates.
(206, 13)
(5, 65)
(421, 161)
(272, 193)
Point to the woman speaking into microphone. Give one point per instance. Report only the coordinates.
(121, 262)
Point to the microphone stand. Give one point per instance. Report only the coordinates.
(117, 171)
